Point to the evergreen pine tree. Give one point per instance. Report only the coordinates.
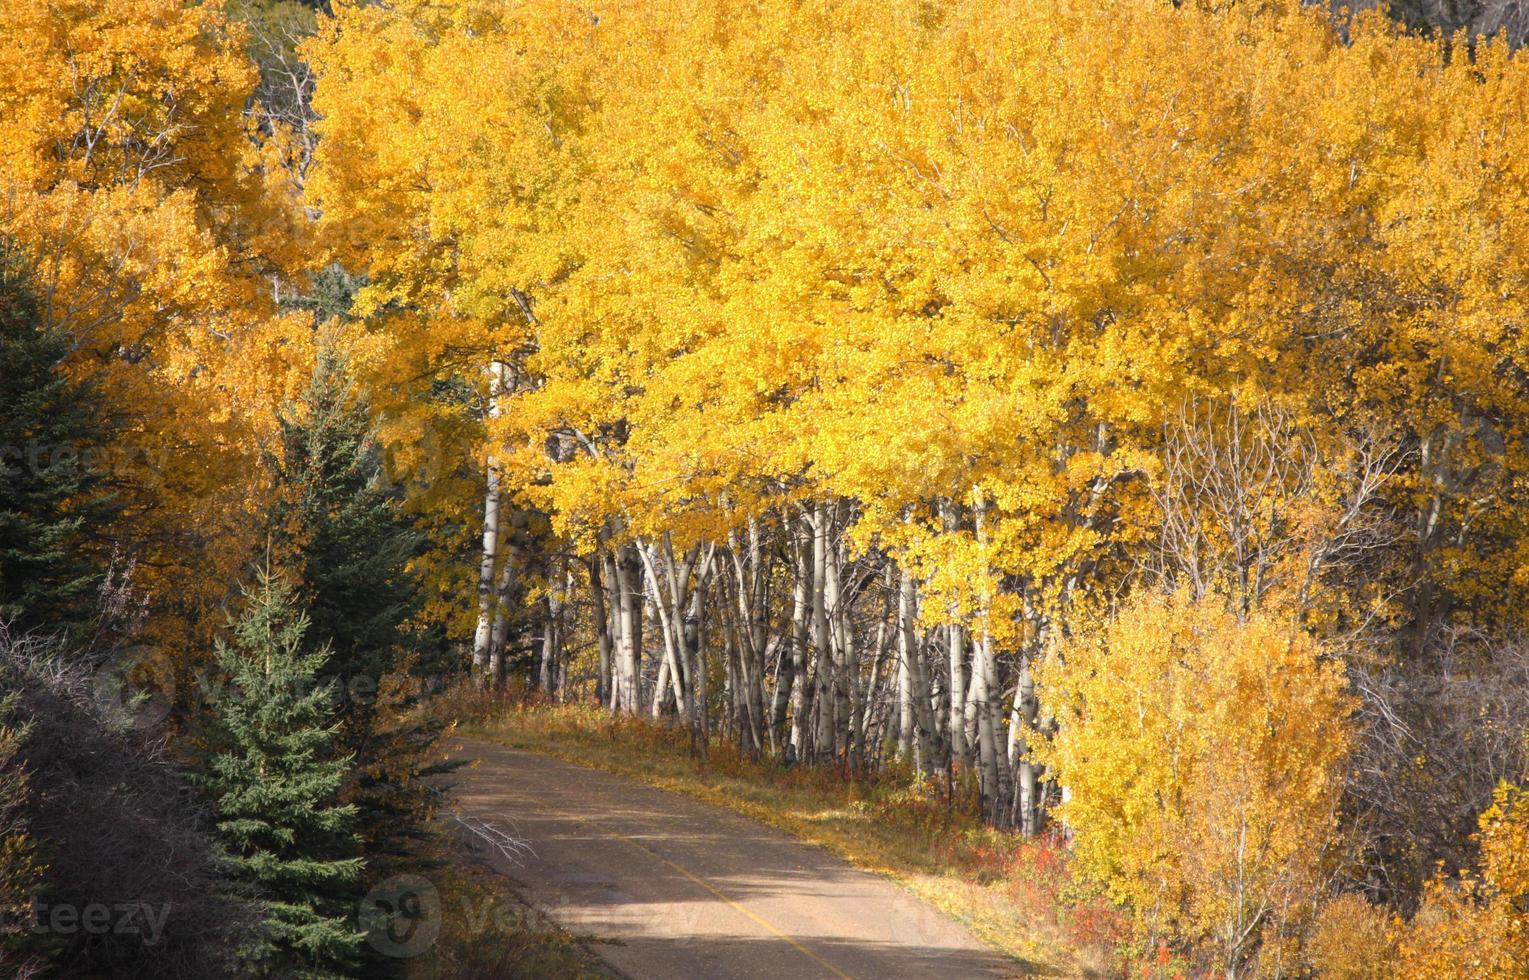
(347, 534)
(338, 524)
(51, 510)
(275, 783)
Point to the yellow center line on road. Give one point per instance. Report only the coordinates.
(756, 918)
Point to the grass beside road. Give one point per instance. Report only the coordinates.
(1016, 895)
(485, 931)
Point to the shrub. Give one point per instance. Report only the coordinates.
(124, 833)
(20, 872)
(1351, 940)
(1204, 758)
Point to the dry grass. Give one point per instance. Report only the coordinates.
(1014, 894)
(486, 933)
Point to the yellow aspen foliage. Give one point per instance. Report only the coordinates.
(898, 253)
(154, 224)
(1202, 758)
(450, 137)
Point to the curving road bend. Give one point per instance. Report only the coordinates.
(685, 889)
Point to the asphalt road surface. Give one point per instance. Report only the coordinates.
(688, 890)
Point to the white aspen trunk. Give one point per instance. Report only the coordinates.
(825, 600)
(670, 604)
(873, 686)
(971, 702)
(782, 709)
(801, 695)
(629, 634)
(613, 630)
(956, 648)
(917, 688)
(695, 644)
(546, 679)
(748, 635)
(904, 694)
(866, 703)
(757, 624)
(955, 645)
(823, 701)
(552, 636)
(1021, 721)
(733, 722)
(483, 637)
(660, 687)
(985, 689)
(681, 599)
(984, 683)
(847, 700)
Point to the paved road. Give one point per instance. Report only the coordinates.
(691, 890)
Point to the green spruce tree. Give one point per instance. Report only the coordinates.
(276, 781)
(345, 531)
(53, 513)
(341, 527)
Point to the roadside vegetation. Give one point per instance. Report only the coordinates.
(485, 932)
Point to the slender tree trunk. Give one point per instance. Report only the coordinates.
(970, 735)
(955, 647)
(733, 723)
(985, 691)
(904, 699)
(915, 695)
(984, 683)
(695, 645)
(822, 644)
(602, 630)
(670, 605)
(483, 637)
(615, 628)
(955, 643)
(499, 635)
(1021, 723)
(661, 692)
(848, 704)
(629, 635)
(801, 695)
(871, 708)
(748, 635)
(552, 636)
